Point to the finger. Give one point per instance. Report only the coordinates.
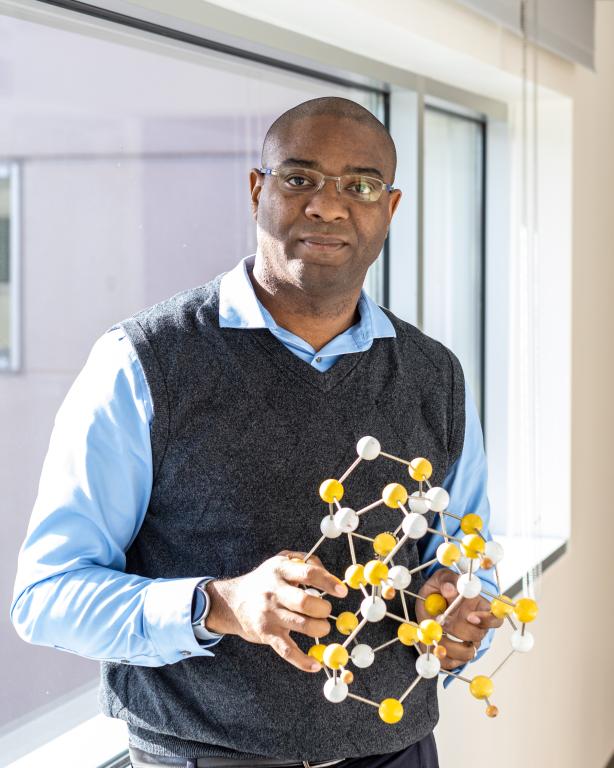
(460, 653)
(435, 582)
(464, 631)
(484, 619)
(296, 622)
(299, 601)
(300, 556)
(313, 574)
(449, 591)
(289, 651)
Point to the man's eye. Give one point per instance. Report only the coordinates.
(297, 181)
(361, 187)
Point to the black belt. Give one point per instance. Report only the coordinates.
(142, 759)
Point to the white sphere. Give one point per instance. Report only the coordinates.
(468, 587)
(428, 666)
(373, 609)
(439, 498)
(494, 551)
(522, 643)
(399, 577)
(418, 503)
(414, 525)
(328, 528)
(313, 592)
(335, 690)
(362, 655)
(463, 564)
(346, 520)
(368, 448)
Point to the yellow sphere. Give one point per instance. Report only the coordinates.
(435, 604)
(331, 490)
(317, 651)
(355, 576)
(376, 572)
(384, 543)
(500, 609)
(335, 656)
(391, 710)
(471, 523)
(481, 687)
(473, 545)
(448, 554)
(407, 633)
(526, 610)
(394, 494)
(420, 469)
(429, 631)
(346, 622)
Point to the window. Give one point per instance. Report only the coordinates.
(135, 168)
(452, 283)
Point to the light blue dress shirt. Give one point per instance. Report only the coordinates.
(71, 590)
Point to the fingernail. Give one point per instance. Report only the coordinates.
(316, 667)
(341, 590)
(473, 619)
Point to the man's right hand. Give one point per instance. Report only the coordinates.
(265, 605)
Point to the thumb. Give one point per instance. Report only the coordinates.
(449, 591)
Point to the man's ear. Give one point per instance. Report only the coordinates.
(255, 187)
(394, 200)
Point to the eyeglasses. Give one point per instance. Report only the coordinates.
(305, 181)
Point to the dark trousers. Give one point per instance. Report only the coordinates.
(422, 754)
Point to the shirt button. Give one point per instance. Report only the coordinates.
(318, 359)
(186, 653)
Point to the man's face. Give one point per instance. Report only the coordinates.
(323, 242)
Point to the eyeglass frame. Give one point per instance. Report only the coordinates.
(337, 179)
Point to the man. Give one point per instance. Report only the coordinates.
(180, 489)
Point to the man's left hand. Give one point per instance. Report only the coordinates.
(469, 621)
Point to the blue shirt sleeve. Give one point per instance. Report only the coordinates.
(71, 590)
(466, 482)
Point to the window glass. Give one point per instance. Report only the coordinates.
(453, 209)
(134, 153)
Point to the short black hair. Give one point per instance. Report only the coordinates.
(334, 106)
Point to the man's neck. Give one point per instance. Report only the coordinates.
(316, 322)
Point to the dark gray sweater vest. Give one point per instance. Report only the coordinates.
(243, 434)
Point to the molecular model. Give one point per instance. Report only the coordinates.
(385, 579)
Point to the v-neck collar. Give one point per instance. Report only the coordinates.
(322, 381)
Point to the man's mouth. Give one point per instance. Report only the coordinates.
(321, 243)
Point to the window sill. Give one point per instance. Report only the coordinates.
(520, 556)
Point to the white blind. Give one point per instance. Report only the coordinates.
(566, 27)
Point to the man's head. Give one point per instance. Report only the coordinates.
(322, 242)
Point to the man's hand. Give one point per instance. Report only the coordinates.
(264, 606)
(469, 621)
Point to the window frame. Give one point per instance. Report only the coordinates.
(11, 363)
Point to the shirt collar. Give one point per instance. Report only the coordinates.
(240, 308)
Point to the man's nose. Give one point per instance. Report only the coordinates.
(327, 204)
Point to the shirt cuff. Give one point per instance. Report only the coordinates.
(168, 619)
